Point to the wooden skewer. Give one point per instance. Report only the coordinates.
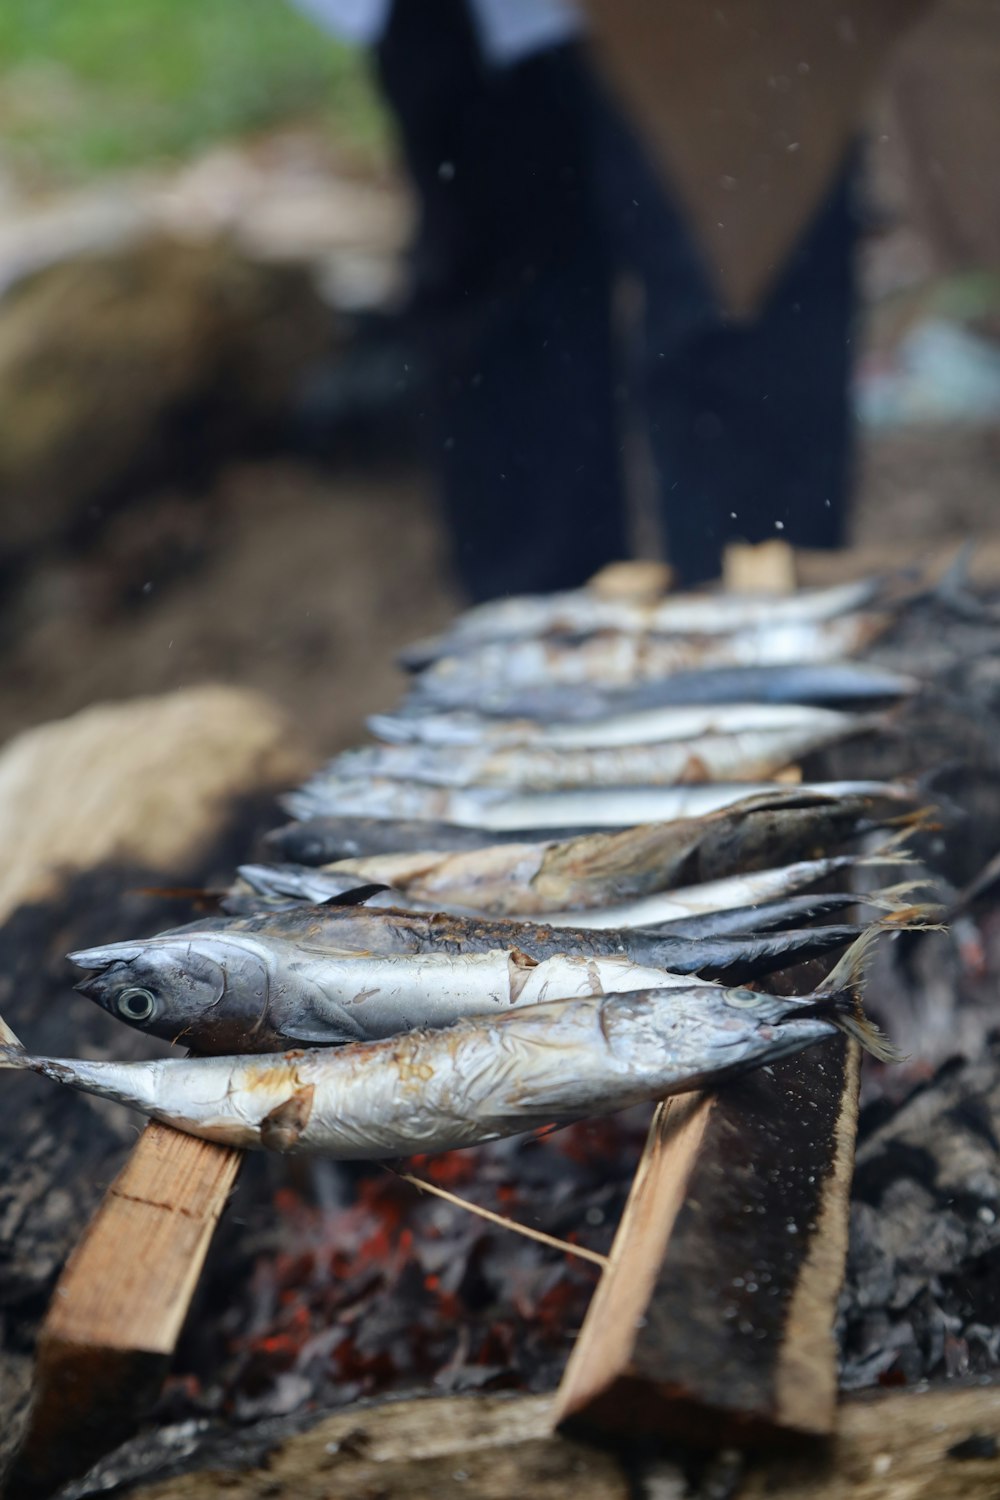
(120, 1304)
(713, 1321)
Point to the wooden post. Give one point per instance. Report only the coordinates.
(120, 1304)
(713, 1321)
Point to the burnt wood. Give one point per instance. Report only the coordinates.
(714, 1319)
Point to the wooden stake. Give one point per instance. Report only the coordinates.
(120, 1304)
(768, 568)
(713, 1322)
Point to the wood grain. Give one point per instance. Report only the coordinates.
(120, 1304)
(890, 1446)
(713, 1321)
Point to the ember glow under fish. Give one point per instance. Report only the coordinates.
(480, 1079)
(584, 612)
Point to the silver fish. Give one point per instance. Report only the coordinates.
(615, 660)
(649, 726)
(584, 612)
(226, 990)
(480, 1079)
(522, 901)
(594, 807)
(321, 841)
(613, 866)
(811, 682)
(747, 755)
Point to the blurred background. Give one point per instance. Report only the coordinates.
(212, 456)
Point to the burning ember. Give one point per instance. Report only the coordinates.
(357, 1283)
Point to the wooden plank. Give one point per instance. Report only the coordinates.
(120, 1304)
(713, 1321)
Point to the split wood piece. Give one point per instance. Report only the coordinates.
(713, 1322)
(642, 580)
(120, 1304)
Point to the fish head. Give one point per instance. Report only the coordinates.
(202, 990)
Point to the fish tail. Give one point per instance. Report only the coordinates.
(838, 1000)
(848, 972)
(895, 897)
(892, 849)
(924, 819)
(854, 1023)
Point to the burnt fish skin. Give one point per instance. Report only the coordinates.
(597, 869)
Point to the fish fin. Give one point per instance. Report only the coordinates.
(919, 918)
(357, 896)
(315, 1032)
(8, 1043)
(281, 1128)
(897, 898)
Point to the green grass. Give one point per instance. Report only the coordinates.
(92, 85)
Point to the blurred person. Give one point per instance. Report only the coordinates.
(535, 198)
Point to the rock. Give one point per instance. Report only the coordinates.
(138, 365)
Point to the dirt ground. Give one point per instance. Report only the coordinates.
(295, 583)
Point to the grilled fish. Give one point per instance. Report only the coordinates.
(584, 612)
(480, 1079)
(650, 726)
(747, 755)
(761, 832)
(595, 807)
(613, 660)
(815, 682)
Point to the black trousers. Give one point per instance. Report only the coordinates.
(535, 200)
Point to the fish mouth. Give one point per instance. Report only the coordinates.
(92, 988)
(103, 958)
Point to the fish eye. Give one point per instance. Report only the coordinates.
(743, 999)
(135, 1004)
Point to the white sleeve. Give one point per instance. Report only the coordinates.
(512, 29)
(358, 21)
